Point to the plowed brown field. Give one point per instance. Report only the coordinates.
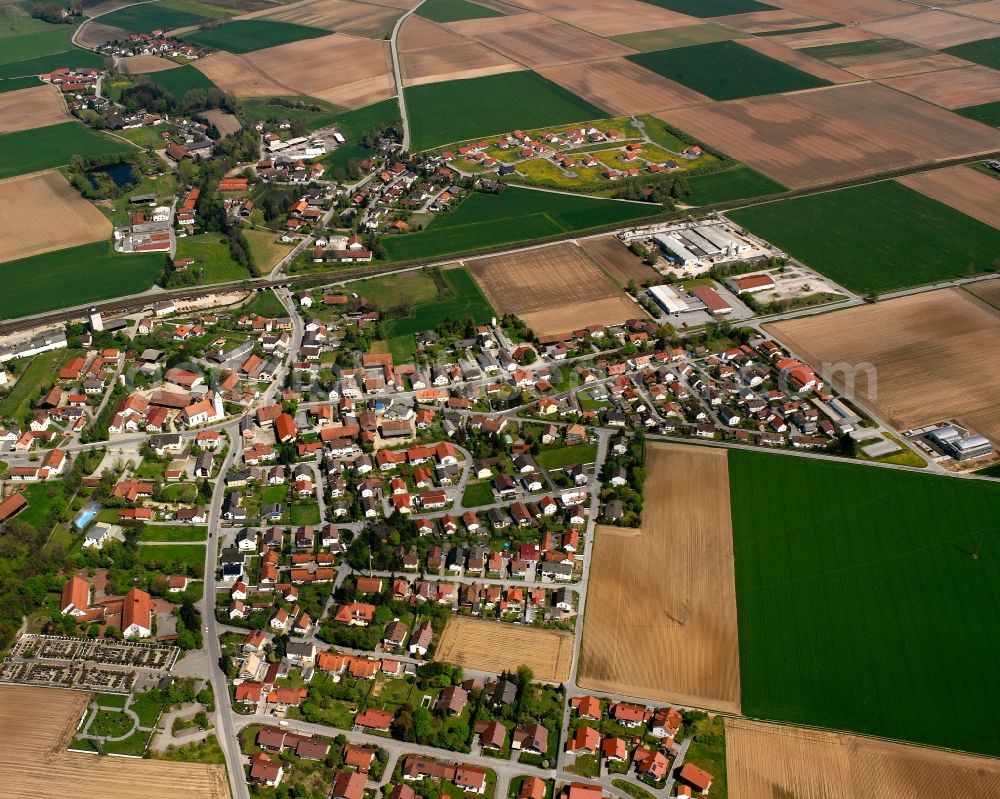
(953, 88)
(661, 605)
(621, 87)
(454, 62)
(233, 73)
(618, 260)
(553, 289)
(934, 356)
(30, 204)
(825, 37)
(36, 724)
(36, 107)
(936, 29)
(496, 647)
(140, 64)
(989, 10)
(94, 34)
(886, 65)
(609, 17)
(808, 138)
(765, 21)
(766, 761)
(343, 16)
(418, 33)
(847, 11)
(550, 43)
(801, 61)
(969, 191)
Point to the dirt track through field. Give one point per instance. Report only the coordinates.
(935, 357)
(553, 289)
(769, 761)
(495, 647)
(661, 604)
(36, 724)
(30, 203)
(969, 191)
(807, 138)
(35, 107)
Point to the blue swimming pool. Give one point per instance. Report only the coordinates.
(86, 515)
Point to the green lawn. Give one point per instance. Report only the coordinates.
(110, 700)
(181, 80)
(462, 299)
(147, 17)
(558, 457)
(172, 554)
(355, 124)
(738, 183)
(247, 35)
(39, 373)
(454, 10)
(402, 348)
(477, 494)
(516, 215)
(146, 709)
(857, 610)
(984, 51)
(305, 514)
(42, 148)
(877, 237)
(210, 252)
(263, 110)
(134, 745)
(110, 724)
(711, 8)
(988, 113)
(37, 64)
(726, 70)
(74, 276)
(388, 292)
(40, 497)
(265, 303)
(174, 532)
(456, 110)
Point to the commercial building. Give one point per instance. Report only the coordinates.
(668, 300)
(959, 444)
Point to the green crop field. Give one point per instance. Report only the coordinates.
(829, 52)
(517, 215)
(72, 57)
(454, 10)
(210, 252)
(42, 148)
(456, 110)
(32, 44)
(246, 35)
(462, 299)
(165, 555)
(860, 601)
(726, 70)
(737, 183)
(987, 113)
(683, 36)
(74, 276)
(261, 109)
(355, 124)
(148, 17)
(13, 84)
(984, 51)
(711, 8)
(829, 26)
(876, 238)
(181, 80)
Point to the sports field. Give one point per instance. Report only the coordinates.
(486, 220)
(495, 646)
(877, 237)
(858, 589)
(661, 608)
(181, 80)
(456, 110)
(726, 70)
(42, 148)
(74, 276)
(147, 17)
(454, 10)
(247, 35)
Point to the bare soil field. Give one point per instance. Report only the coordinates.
(989, 10)
(476, 27)
(936, 29)
(806, 63)
(609, 17)
(847, 11)
(453, 62)
(621, 87)
(661, 607)
(825, 37)
(952, 88)
(550, 43)
(36, 724)
(988, 291)
(233, 73)
(94, 34)
(765, 21)
(885, 65)
(764, 761)
(617, 260)
(971, 192)
(809, 138)
(31, 202)
(418, 33)
(935, 356)
(343, 70)
(224, 122)
(31, 108)
(495, 647)
(141, 64)
(557, 288)
(343, 16)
